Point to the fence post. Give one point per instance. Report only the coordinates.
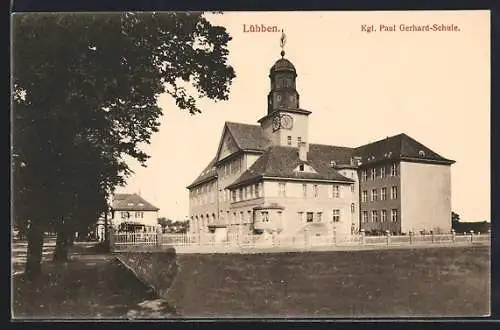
(471, 235)
(432, 236)
(157, 237)
(362, 231)
(306, 237)
(453, 235)
(388, 236)
(111, 239)
(410, 233)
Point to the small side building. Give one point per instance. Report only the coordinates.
(132, 213)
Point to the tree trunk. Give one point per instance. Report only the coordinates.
(61, 251)
(33, 267)
(107, 242)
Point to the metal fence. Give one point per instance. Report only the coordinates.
(238, 242)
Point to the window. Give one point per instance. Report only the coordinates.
(257, 190)
(363, 175)
(383, 215)
(373, 173)
(394, 192)
(353, 188)
(299, 140)
(394, 169)
(265, 216)
(139, 214)
(309, 217)
(353, 208)
(336, 215)
(242, 217)
(240, 194)
(364, 196)
(374, 216)
(125, 215)
(382, 172)
(364, 217)
(250, 218)
(299, 217)
(289, 140)
(234, 195)
(315, 191)
(394, 215)
(335, 191)
(304, 190)
(301, 167)
(282, 189)
(383, 194)
(318, 216)
(374, 195)
(251, 191)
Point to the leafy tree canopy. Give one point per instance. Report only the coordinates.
(85, 91)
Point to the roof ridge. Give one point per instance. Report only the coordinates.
(236, 123)
(330, 145)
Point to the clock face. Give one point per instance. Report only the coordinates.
(276, 123)
(286, 121)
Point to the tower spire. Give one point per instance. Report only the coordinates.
(282, 43)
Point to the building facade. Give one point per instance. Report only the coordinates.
(269, 178)
(132, 213)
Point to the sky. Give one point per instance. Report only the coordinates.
(360, 87)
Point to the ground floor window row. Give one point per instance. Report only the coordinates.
(379, 215)
(317, 217)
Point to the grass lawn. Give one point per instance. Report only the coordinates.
(446, 281)
(89, 288)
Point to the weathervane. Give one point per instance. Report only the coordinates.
(282, 42)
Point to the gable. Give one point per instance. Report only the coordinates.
(228, 145)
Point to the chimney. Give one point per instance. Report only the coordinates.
(303, 151)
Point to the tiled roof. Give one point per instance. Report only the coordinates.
(208, 173)
(324, 154)
(131, 202)
(278, 161)
(400, 146)
(248, 137)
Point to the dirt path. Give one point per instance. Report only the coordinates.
(89, 286)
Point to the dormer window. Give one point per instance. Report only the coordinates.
(332, 163)
(305, 168)
(130, 204)
(141, 204)
(421, 153)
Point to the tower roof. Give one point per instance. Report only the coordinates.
(283, 65)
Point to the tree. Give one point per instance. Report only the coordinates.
(164, 223)
(86, 85)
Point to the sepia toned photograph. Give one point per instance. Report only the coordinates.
(250, 165)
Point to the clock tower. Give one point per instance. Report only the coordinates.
(286, 123)
(283, 93)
